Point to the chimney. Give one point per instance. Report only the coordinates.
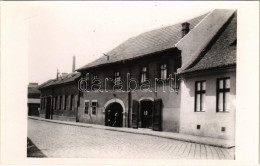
(185, 28)
(73, 63)
(57, 74)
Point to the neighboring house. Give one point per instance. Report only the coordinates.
(147, 56)
(208, 74)
(59, 97)
(33, 101)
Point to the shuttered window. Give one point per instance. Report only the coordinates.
(86, 107)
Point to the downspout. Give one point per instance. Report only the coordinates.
(78, 102)
(129, 101)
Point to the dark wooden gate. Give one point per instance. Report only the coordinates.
(48, 108)
(135, 114)
(157, 115)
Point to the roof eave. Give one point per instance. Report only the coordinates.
(125, 60)
(206, 71)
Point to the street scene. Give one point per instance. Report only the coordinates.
(167, 92)
(57, 140)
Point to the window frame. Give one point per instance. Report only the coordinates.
(56, 102)
(86, 101)
(60, 104)
(94, 101)
(200, 92)
(71, 102)
(65, 102)
(223, 90)
(146, 74)
(167, 70)
(115, 77)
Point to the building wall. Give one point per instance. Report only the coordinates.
(171, 100)
(211, 121)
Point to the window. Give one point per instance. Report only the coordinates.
(94, 107)
(95, 81)
(65, 104)
(117, 78)
(198, 127)
(71, 102)
(56, 103)
(200, 91)
(163, 71)
(53, 102)
(223, 94)
(86, 106)
(95, 76)
(60, 102)
(143, 74)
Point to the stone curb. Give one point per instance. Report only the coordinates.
(176, 136)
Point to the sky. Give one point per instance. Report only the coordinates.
(87, 30)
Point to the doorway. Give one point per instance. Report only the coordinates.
(146, 113)
(114, 115)
(48, 109)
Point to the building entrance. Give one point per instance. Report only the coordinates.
(146, 110)
(114, 115)
(48, 114)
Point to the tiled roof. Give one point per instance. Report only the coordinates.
(62, 80)
(146, 43)
(223, 51)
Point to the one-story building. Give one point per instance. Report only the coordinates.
(59, 97)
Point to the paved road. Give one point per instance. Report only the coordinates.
(66, 141)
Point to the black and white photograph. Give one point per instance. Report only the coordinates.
(132, 80)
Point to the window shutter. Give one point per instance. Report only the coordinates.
(135, 114)
(157, 115)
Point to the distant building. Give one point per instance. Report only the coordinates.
(33, 99)
(59, 97)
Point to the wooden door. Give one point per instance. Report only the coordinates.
(48, 108)
(157, 115)
(135, 114)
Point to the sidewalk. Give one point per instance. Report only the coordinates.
(176, 136)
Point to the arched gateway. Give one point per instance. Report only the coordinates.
(114, 113)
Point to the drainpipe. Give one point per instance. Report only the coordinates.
(78, 102)
(129, 101)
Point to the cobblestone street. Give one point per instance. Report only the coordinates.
(67, 141)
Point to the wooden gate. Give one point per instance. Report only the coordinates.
(135, 114)
(157, 115)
